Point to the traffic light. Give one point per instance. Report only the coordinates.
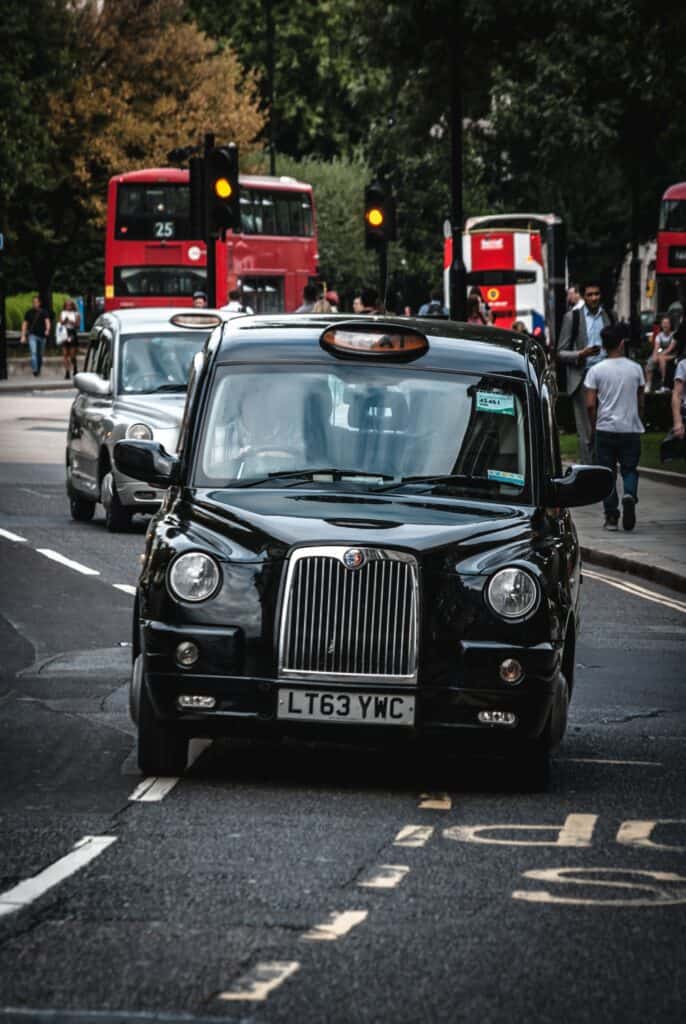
(222, 192)
(379, 216)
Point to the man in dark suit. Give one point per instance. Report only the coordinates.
(579, 347)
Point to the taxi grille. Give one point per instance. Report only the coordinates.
(339, 622)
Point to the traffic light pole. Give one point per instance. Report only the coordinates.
(458, 272)
(210, 241)
(383, 274)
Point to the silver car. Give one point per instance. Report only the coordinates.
(133, 386)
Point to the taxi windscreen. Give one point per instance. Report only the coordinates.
(157, 362)
(385, 423)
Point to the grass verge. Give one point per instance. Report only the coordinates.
(650, 452)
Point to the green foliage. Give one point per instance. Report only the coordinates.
(339, 196)
(17, 305)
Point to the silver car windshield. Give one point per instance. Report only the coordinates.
(157, 362)
(389, 424)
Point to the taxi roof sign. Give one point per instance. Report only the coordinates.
(197, 321)
(365, 340)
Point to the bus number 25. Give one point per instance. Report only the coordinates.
(163, 229)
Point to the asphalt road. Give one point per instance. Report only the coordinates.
(311, 883)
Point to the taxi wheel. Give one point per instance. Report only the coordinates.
(160, 751)
(82, 510)
(117, 517)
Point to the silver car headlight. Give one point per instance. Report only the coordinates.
(139, 432)
(513, 593)
(193, 577)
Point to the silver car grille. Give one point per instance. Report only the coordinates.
(350, 624)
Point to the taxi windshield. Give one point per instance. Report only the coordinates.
(382, 427)
(157, 362)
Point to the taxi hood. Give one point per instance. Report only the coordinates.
(163, 411)
(274, 521)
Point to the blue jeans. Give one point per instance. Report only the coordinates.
(36, 348)
(625, 449)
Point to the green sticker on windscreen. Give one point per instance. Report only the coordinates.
(491, 401)
(516, 479)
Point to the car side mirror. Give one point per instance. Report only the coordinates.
(92, 384)
(147, 461)
(581, 485)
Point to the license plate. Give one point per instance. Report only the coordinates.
(361, 708)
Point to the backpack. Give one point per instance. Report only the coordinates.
(435, 308)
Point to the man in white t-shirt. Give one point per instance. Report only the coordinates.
(614, 396)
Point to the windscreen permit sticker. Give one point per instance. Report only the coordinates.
(516, 479)
(491, 401)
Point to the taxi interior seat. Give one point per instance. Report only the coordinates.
(380, 419)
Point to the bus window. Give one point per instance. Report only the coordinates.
(152, 211)
(163, 281)
(672, 215)
(264, 294)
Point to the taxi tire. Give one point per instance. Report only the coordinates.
(160, 751)
(534, 765)
(117, 517)
(82, 510)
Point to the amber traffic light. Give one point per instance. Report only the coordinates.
(222, 189)
(379, 216)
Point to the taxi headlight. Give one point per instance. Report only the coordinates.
(193, 577)
(139, 432)
(513, 593)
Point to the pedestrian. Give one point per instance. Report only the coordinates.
(474, 312)
(333, 300)
(614, 397)
(664, 351)
(579, 347)
(199, 300)
(434, 307)
(67, 335)
(519, 327)
(366, 301)
(322, 305)
(310, 295)
(574, 300)
(679, 400)
(35, 329)
(235, 303)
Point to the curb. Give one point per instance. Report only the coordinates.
(10, 387)
(663, 476)
(635, 567)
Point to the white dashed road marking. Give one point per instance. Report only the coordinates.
(605, 760)
(413, 835)
(55, 556)
(125, 588)
(386, 876)
(13, 537)
(337, 926)
(435, 802)
(638, 591)
(153, 789)
(26, 892)
(263, 979)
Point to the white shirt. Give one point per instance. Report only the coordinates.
(236, 307)
(617, 382)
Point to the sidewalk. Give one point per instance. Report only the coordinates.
(51, 378)
(655, 549)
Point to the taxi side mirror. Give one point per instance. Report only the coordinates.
(147, 461)
(581, 485)
(93, 384)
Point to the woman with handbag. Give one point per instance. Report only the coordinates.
(67, 335)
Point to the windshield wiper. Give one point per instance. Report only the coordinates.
(439, 478)
(309, 474)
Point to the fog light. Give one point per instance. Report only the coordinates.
(497, 717)
(187, 654)
(511, 671)
(195, 700)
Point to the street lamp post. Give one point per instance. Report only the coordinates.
(458, 273)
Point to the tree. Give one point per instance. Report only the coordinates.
(131, 80)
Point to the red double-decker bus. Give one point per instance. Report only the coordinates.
(670, 262)
(152, 259)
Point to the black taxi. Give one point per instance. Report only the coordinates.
(365, 535)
